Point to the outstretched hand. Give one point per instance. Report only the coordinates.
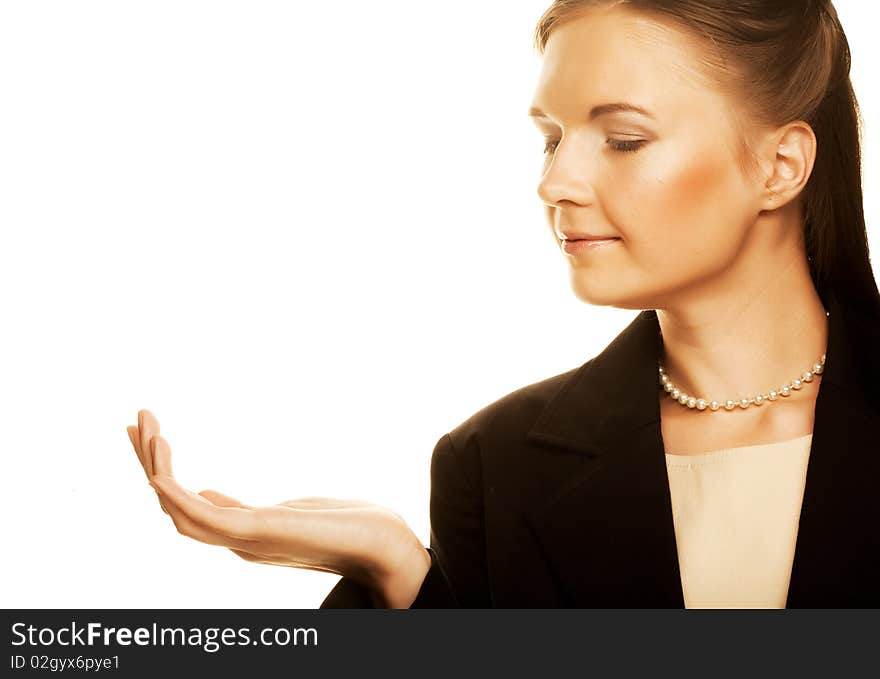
(360, 539)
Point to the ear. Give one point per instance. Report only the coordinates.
(788, 158)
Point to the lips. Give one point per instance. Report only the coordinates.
(574, 236)
(582, 246)
(590, 240)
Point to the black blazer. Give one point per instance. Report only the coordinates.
(556, 495)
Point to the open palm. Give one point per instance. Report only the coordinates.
(350, 537)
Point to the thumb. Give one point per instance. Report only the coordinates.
(222, 500)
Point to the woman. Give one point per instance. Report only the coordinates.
(702, 166)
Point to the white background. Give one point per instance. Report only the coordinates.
(288, 230)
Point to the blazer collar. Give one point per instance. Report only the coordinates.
(612, 523)
(617, 390)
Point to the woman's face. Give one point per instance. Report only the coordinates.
(666, 183)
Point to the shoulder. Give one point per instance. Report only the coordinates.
(500, 427)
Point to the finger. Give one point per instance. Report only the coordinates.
(191, 528)
(133, 435)
(161, 503)
(185, 526)
(222, 500)
(161, 452)
(229, 523)
(148, 427)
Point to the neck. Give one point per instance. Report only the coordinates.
(746, 336)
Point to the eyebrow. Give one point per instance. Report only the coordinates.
(602, 109)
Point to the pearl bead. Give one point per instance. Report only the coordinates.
(701, 404)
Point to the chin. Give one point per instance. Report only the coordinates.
(594, 297)
(609, 294)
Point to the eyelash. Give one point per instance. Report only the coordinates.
(619, 146)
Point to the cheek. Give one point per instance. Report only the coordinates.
(678, 205)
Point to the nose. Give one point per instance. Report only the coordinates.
(565, 180)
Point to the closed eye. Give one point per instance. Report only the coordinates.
(625, 146)
(615, 144)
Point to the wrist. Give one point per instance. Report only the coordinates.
(398, 585)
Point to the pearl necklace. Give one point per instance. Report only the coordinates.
(701, 403)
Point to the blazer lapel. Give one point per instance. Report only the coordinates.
(608, 532)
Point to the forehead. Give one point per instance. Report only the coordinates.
(615, 55)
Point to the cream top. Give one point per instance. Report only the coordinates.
(736, 513)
